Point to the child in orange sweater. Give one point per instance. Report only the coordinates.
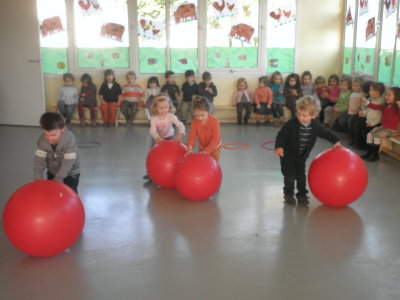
(205, 128)
(263, 100)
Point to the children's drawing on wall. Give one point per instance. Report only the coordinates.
(390, 7)
(184, 13)
(349, 17)
(225, 8)
(150, 29)
(89, 7)
(51, 26)
(242, 32)
(398, 29)
(370, 30)
(282, 12)
(112, 31)
(363, 7)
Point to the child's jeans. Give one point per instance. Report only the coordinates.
(66, 109)
(186, 111)
(239, 109)
(277, 110)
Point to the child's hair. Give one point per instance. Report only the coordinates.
(396, 92)
(51, 121)
(346, 79)
(68, 76)
(169, 73)
(264, 80)
(206, 76)
(304, 74)
(200, 103)
(240, 80)
(379, 87)
(189, 73)
(358, 80)
(319, 80)
(310, 104)
(276, 73)
(366, 86)
(297, 86)
(161, 98)
(334, 77)
(86, 77)
(108, 72)
(130, 73)
(151, 80)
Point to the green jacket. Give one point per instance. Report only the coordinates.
(343, 102)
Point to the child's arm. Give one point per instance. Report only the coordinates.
(191, 142)
(214, 90)
(215, 138)
(39, 163)
(282, 136)
(326, 134)
(181, 128)
(257, 98)
(270, 97)
(70, 156)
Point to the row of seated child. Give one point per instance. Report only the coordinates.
(131, 96)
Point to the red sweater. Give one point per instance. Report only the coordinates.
(390, 118)
(208, 134)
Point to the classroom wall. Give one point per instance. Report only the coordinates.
(318, 49)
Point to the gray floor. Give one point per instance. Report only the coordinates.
(142, 242)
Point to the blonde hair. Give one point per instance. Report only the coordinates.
(240, 80)
(161, 98)
(310, 104)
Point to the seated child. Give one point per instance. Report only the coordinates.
(132, 95)
(276, 86)
(57, 152)
(171, 89)
(67, 97)
(348, 120)
(242, 99)
(189, 89)
(153, 89)
(390, 124)
(307, 86)
(263, 100)
(294, 143)
(87, 98)
(205, 128)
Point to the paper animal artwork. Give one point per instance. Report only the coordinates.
(112, 31)
(185, 13)
(51, 26)
(370, 30)
(242, 32)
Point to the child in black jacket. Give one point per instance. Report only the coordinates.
(294, 143)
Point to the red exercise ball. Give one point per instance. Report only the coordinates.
(162, 161)
(43, 218)
(198, 177)
(337, 177)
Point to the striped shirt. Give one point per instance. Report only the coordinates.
(132, 93)
(304, 135)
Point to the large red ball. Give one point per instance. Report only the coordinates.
(162, 161)
(198, 177)
(337, 177)
(43, 218)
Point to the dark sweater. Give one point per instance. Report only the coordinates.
(88, 95)
(288, 138)
(189, 91)
(110, 95)
(207, 95)
(171, 90)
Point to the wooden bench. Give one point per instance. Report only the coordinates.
(391, 146)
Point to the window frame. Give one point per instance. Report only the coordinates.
(201, 40)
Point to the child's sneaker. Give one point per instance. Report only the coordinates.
(146, 177)
(303, 200)
(289, 200)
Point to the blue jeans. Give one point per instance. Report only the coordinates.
(277, 110)
(66, 109)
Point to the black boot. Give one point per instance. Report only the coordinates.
(369, 152)
(375, 154)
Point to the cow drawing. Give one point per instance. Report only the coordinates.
(185, 12)
(50, 26)
(242, 31)
(112, 31)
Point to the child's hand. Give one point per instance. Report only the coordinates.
(159, 140)
(258, 106)
(268, 105)
(279, 152)
(398, 103)
(335, 109)
(82, 99)
(294, 93)
(325, 95)
(364, 100)
(361, 114)
(280, 91)
(189, 151)
(337, 145)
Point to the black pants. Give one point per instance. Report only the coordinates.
(239, 111)
(294, 170)
(71, 181)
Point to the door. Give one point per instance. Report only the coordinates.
(21, 84)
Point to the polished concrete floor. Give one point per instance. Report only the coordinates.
(143, 242)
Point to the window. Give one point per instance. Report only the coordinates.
(367, 21)
(281, 35)
(232, 34)
(53, 36)
(101, 30)
(396, 76)
(176, 35)
(348, 35)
